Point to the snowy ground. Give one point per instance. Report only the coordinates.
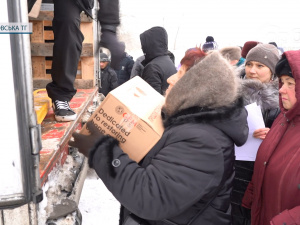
(97, 205)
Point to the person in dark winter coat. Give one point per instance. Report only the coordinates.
(260, 86)
(125, 68)
(109, 80)
(124, 72)
(172, 56)
(273, 194)
(68, 45)
(158, 66)
(186, 178)
(138, 67)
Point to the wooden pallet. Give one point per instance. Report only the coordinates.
(42, 39)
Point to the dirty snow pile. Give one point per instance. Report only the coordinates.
(97, 205)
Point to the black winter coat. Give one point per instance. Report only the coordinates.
(178, 176)
(109, 80)
(158, 65)
(125, 69)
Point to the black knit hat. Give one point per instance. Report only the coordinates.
(273, 43)
(210, 39)
(283, 68)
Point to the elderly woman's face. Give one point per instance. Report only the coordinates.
(172, 80)
(258, 71)
(287, 92)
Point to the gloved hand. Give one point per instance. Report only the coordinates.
(84, 143)
(117, 49)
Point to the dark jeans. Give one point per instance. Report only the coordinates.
(66, 51)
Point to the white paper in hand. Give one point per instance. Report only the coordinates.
(248, 151)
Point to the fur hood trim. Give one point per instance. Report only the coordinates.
(211, 83)
(203, 115)
(240, 71)
(231, 53)
(264, 94)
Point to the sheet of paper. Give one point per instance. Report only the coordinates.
(248, 151)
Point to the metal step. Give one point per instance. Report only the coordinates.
(55, 135)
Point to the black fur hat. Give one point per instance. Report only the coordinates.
(283, 68)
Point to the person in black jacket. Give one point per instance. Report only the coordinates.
(158, 66)
(186, 178)
(109, 80)
(125, 68)
(138, 67)
(68, 44)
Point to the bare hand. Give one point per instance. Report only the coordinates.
(261, 133)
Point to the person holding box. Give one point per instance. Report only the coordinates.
(186, 178)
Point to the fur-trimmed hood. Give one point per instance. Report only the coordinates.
(240, 71)
(264, 94)
(231, 119)
(211, 83)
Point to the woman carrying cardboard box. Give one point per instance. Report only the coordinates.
(186, 178)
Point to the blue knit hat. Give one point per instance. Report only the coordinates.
(210, 44)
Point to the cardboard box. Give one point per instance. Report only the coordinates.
(132, 114)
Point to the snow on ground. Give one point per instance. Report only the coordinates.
(97, 205)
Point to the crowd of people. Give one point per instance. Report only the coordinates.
(191, 175)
